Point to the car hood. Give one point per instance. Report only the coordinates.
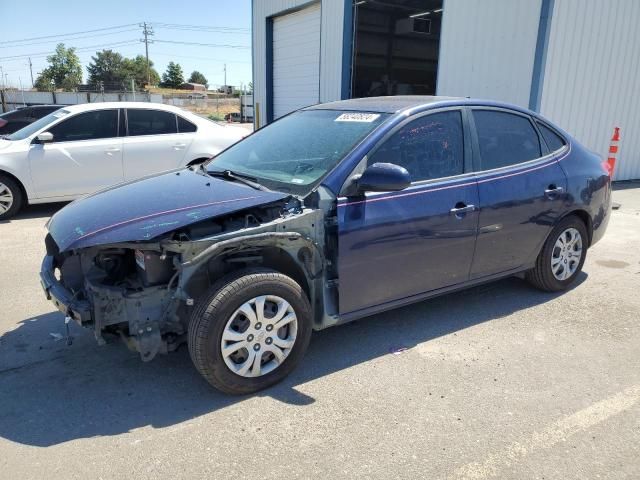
(144, 209)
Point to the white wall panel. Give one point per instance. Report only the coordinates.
(592, 76)
(487, 49)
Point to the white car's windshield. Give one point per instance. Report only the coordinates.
(37, 125)
(296, 152)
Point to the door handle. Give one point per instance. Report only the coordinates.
(111, 151)
(552, 191)
(179, 146)
(461, 209)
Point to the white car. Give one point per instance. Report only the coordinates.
(80, 149)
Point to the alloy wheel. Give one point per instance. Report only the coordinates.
(567, 253)
(259, 336)
(6, 198)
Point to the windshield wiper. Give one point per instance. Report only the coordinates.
(229, 175)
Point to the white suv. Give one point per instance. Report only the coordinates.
(80, 149)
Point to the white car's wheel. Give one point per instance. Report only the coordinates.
(11, 198)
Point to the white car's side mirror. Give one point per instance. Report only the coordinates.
(44, 137)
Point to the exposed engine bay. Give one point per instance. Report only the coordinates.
(143, 291)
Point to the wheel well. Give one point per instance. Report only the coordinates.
(196, 161)
(25, 198)
(586, 219)
(269, 257)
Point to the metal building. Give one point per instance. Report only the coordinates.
(575, 61)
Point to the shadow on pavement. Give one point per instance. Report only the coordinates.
(54, 394)
(44, 210)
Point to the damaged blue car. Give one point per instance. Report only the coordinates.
(332, 213)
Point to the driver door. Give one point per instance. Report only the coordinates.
(393, 246)
(85, 156)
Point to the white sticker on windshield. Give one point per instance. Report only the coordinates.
(297, 180)
(357, 117)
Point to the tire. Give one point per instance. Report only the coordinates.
(215, 317)
(542, 275)
(9, 188)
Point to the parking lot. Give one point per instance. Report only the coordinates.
(501, 381)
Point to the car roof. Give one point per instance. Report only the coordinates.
(404, 103)
(85, 107)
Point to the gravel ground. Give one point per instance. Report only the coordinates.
(500, 381)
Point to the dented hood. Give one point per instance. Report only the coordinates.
(144, 209)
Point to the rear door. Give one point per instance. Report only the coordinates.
(522, 191)
(395, 245)
(85, 156)
(153, 143)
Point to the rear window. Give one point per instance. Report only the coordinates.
(551, 138)
(185, 126)
(150, 122)
(505, 139)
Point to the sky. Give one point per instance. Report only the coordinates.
(208, 22)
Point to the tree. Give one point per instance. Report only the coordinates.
(107, 67)
(250, 88)
(64, 70)
(136, 68)
(173, 77)
(197, 77)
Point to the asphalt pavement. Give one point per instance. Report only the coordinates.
(500, 381)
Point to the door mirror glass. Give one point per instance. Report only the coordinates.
(383, 177)
(44, 137)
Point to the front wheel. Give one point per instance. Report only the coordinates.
(10, 197)
(250, 331)
(562, 256)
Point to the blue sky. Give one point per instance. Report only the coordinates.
(38, 18)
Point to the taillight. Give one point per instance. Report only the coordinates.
(3, 123)
(608, 165)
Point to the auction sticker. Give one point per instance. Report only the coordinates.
(357, 117)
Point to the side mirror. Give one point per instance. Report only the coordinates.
(44, 137)
(383, 177)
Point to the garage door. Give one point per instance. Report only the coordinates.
(296, 60)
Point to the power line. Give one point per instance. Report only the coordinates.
(178, 26)
(216, 45)
(81, 49)
(68, 34)
(75, 38)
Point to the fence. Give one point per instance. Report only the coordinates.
(10, 99)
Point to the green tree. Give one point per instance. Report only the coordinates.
(136, 68)
(250, 88)
(64, 70)
(197, 77)
(108, 67)
(173, 77)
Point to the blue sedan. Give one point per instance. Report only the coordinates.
(330, 214)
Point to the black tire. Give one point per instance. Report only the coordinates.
(16, 192)
(215, 308)
(541, 276)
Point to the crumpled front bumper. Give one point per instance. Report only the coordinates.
(61, 297)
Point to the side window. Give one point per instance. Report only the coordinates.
(185, 126)
(552, 139)
(430, 147)
(150, 122)
(505, 139)
(87, 126)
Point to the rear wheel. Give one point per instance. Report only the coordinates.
(250, 331)
(562, 256)
(11, 197)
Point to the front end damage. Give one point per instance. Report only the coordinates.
(144, 291)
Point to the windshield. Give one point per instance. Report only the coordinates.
(37, 125)
(293, 154)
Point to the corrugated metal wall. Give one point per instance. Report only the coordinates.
(592, 76)
(487, 49)
(331, 42)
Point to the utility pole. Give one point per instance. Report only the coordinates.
(31, 71)
(225, 75)
(147, 31)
